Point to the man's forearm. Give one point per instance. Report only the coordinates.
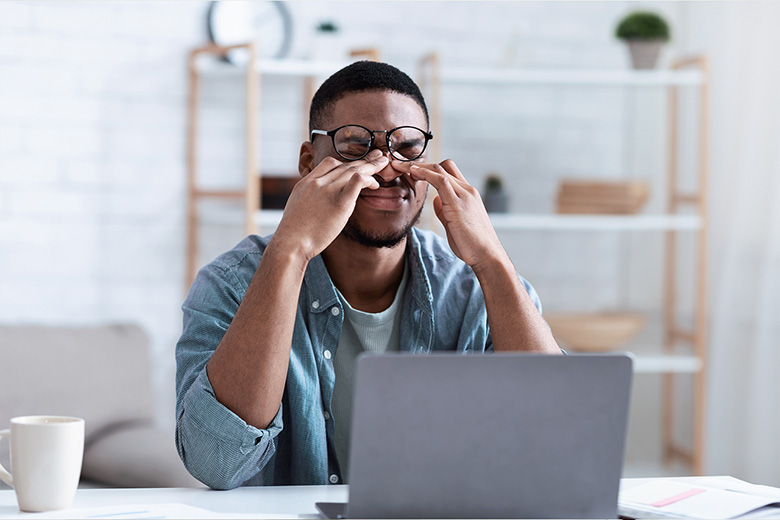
(515, 322)
(248, 369)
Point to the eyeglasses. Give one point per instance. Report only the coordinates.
(353, 142)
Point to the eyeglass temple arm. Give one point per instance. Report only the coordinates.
(317, 132)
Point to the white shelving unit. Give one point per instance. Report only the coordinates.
(668, 359)
(294, 68)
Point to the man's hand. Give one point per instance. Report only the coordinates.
(321, 203)
(460, 209)
(515, 323)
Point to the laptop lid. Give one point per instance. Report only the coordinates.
(488, 436)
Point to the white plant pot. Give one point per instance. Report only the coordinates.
(496, 201)
(329, 47)
(644, 53)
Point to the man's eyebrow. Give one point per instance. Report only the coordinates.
(409, 141)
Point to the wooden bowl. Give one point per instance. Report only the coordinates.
(598, 332)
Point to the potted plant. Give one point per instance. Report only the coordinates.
(495, 198)
(645, 32)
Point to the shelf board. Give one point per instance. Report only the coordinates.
(478, 75)
(513, 221)
(604, 77)
(518, 222)
(268, 217)
(652, 360)
(295, 68)
(234, 216)
(667, 363)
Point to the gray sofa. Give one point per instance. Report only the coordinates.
(101, 374)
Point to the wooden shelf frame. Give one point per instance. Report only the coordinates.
(675, 333)
(689, 72)
(251, 193)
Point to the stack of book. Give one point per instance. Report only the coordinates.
(602, 197)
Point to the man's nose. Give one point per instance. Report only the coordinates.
(388, 175)
(380, 143)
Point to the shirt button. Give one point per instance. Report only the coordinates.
(326, 354)
(315, 304)
(334, 479)
(326, 415)
(335, 311)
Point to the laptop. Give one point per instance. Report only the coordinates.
(487, 436)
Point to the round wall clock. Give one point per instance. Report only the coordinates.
(266, 23)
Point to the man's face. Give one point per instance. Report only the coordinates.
(382, 217)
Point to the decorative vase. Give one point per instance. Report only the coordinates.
(644, 53)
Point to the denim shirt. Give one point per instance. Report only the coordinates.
(443, 309)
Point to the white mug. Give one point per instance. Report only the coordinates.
(46, 455)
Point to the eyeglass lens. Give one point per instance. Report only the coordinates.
(405, 143)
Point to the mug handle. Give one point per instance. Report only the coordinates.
(4, 475)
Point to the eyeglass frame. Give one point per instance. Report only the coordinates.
(332, 135)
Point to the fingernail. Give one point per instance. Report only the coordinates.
(415, 167)
(375, 153)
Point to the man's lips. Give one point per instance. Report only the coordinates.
(384, 198)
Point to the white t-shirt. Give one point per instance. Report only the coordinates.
(361, 332)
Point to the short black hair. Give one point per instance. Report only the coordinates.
(361, 76)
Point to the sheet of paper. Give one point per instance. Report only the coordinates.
(735, 484)
(690, 500)
(149, 511)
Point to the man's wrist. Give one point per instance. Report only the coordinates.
(288, 253)
(498, 262)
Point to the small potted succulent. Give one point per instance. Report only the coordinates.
(645, 33)
(327, 26)
(495, 198)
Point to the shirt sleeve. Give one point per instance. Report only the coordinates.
(217, 446)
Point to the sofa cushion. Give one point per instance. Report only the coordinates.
(136, 456)
(99, 373)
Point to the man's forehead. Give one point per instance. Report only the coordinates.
(377, 104)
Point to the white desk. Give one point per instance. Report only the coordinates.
(252, 502)
(258, 501)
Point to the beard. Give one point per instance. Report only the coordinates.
(389, 239)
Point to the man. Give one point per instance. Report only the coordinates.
(272, 328)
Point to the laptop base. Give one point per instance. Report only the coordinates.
(332, 509)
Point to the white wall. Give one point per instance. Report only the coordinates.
(92, 98)
(92, 127)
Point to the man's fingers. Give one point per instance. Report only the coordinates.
(447, 186)
(450, 166)
(446, 168)
(370, 164)
(355, 182)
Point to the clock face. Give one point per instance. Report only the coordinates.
(265, 23)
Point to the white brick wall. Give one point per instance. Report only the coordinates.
(92, 148)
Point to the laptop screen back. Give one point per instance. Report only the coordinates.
(488, 436)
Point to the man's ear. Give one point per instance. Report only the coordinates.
(306, 159)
